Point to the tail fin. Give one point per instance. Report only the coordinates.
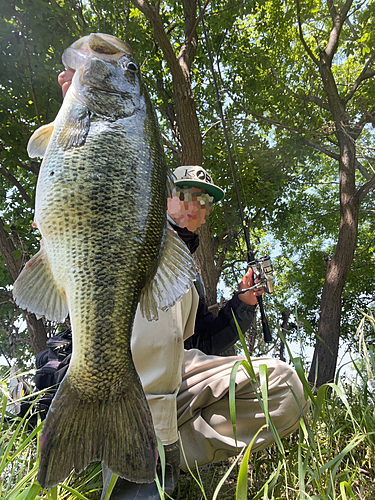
(117, 430)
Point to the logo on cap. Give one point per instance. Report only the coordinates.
(197, 174)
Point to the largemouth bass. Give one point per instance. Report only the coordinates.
(101, 210)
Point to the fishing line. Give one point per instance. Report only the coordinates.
(250, 252)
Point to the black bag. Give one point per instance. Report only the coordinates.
(52, 365)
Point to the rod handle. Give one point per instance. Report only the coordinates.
(265, 325)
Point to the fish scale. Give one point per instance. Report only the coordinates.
(100, 208)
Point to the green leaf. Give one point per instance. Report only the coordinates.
(17, 254)
(30, 493)
(232, 397)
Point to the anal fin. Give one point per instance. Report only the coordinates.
(36, 291)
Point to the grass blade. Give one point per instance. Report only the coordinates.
(241, 490)
(232, 397)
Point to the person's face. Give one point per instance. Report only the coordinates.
(190, 207)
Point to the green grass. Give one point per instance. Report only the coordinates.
(19, 462)
(330, 458)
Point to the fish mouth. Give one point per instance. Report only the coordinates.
(104, 46)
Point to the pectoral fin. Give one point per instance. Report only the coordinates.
(75, 129)
(36, 291)
(173, 278)
(38, 142)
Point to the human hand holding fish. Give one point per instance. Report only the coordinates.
(101, 210)
(65, 79)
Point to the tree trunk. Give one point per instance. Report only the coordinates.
(324, 361)
(189, 134)
(205, 254)
(187, 121)
(186, 114)
(37, 333)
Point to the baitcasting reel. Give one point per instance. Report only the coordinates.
(263, 271)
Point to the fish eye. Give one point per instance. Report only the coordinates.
(132, 67)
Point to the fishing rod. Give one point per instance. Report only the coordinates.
(262, 268)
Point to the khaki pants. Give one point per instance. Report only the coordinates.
(203, 413)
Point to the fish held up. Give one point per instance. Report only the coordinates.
(101, 210)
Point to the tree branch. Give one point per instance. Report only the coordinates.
(358, 164)
(338, 22)
(5, 173)
(231, 235)
(6, 295)
(363, 170)
(186, 113)
(198, 20)
(154, 17)
(189, 47)
(18, 121)
(332, 10)
(7, 250)
(30, 78)
(32, 167)
(170, 146)
(367, 117)
(320, 148)
(226, 120)
(364, 190)
(364, 75)
(261, 118)
(306, 97)
(301, 36)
